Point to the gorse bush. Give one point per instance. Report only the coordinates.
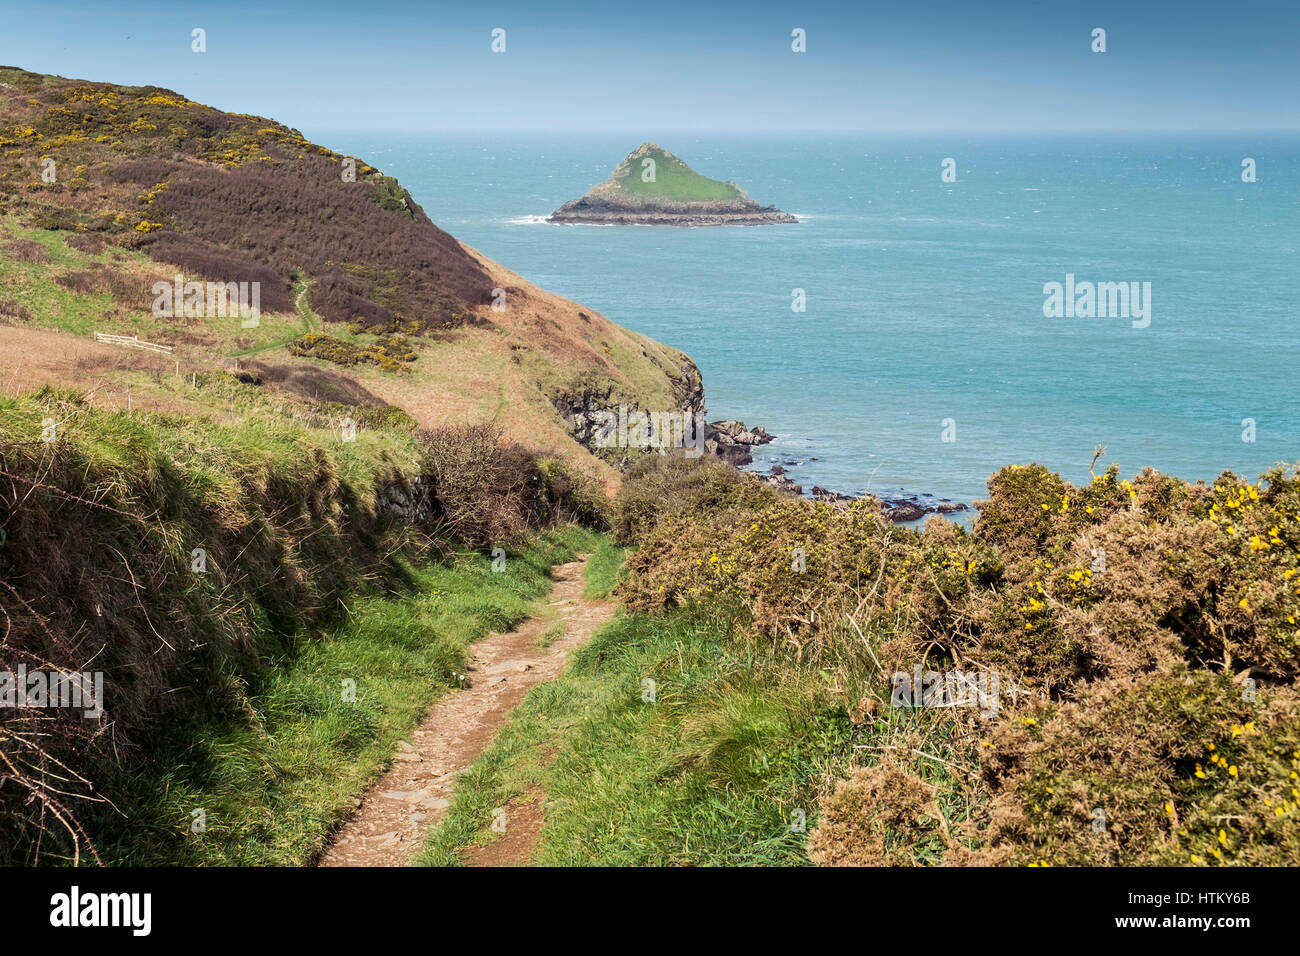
(1143, 632)
(659, 485)
(389, 354)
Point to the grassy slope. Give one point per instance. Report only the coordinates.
(539, 347)
(100, 531)
(508, 374)
(725, 768)
(33, 286)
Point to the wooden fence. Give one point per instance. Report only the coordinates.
(131, 341)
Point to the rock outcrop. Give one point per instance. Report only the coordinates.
(587, 411)
(733, 442)
(652, 187)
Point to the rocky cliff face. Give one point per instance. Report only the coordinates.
(587, 410)
(588, 413)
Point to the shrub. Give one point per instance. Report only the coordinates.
(575, 495)
(876, 818)
(489, 491)
(27, 250)
(57, 217)
(15, 310)
(388, 354)
(219, 265)
(659, 485)
(390, 195)
(127, 290)
(1175, 769)
(88, 242)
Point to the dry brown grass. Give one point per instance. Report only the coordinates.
(876, 817)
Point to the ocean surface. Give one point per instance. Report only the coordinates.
(925, 299)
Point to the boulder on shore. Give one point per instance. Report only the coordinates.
(733, 442)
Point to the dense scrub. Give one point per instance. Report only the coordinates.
(230, 198)
(1143, 635)
(487, 490)
(184, 558)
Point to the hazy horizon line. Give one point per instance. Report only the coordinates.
(897, 131)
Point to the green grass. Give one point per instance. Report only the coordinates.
(32, 286)
(274, 780)
(305, 587)
(711, 772)
(304, 315)
(602, 568)
(552, 633)
(673, 180)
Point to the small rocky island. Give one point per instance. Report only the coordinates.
(652, 187)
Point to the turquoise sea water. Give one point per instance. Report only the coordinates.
(924, 298)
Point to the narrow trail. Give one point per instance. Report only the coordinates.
(395, 814)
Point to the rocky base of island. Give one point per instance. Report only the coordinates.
(597, 212)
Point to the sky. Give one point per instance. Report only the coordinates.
(929, 66)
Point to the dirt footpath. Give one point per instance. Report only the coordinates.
(389, 827)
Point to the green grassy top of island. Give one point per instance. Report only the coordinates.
(671, 179)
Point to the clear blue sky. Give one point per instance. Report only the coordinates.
(931, 65)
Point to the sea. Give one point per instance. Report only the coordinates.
(927, 353)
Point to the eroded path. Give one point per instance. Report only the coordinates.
(389, 826)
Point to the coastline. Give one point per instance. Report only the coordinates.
(902, 505)
(733, 442)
